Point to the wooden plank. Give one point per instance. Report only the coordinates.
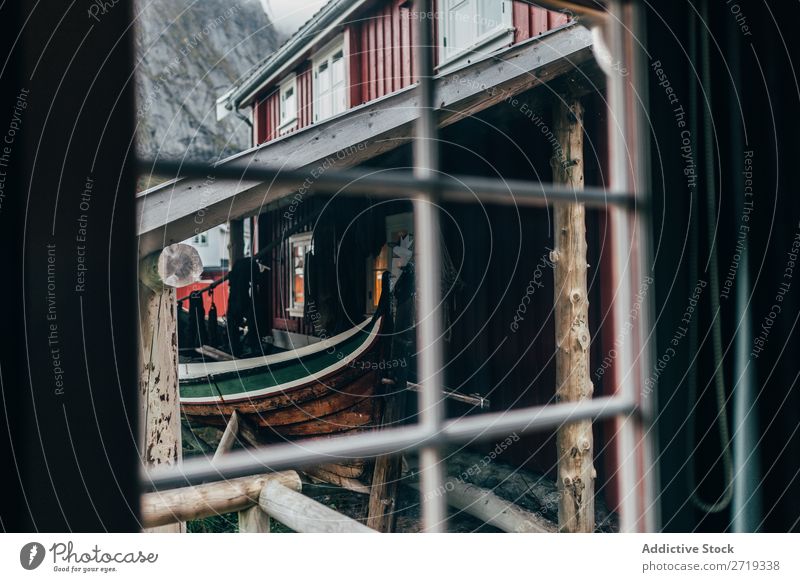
(539, 21)
(522, 24)
(557, 19)
(372, 70)
(389, 52)
(303, 514)
(306, 98)
(363, 48)
(175, 210)
(576, 472)
(187, 503)
(405, 34)
(352, 35)
(397, 47)
(380, 55)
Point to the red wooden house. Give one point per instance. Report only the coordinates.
(344, 71)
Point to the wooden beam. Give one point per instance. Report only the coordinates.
(179, 505)
(494, 510)
(303, 514)
(228, 437)
(576, 472)
(181, 208)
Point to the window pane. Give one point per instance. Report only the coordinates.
(339, 97)
(460, 26)
(289, 104)
(490, 15)
(338, 69)
(299, 250)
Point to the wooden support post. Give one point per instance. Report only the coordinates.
(228, 437)
(187, 503)
(388, 468)
(386, 474)
(160, 417)
(235, 241)
(576, 472)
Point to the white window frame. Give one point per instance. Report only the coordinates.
(500, 36)
(296, 308)
(289, 123)
(323, 56)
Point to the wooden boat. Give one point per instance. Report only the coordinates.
(325, 388)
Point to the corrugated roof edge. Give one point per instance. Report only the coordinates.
(234, 97)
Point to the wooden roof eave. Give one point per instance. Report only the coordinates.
(179, 209)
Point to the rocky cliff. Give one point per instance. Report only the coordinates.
(188, 53)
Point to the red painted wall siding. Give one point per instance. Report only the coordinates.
(267, 110)
(531, 21)
(220, 294)
(266, 113)
(305, 97)
(379, 44)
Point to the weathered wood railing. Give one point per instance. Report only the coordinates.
(272, 494)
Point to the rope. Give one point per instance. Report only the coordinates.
(716, 325)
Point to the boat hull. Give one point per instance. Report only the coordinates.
(328, 390)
